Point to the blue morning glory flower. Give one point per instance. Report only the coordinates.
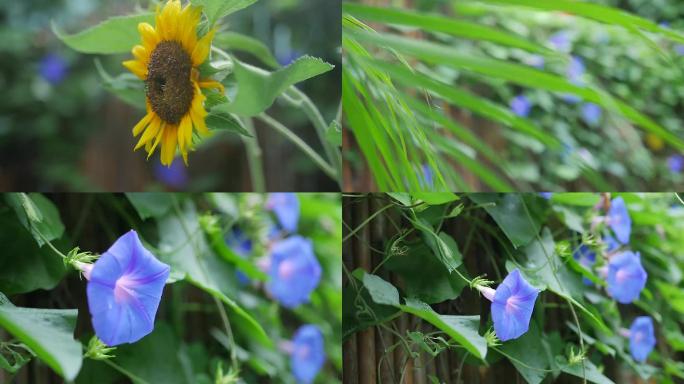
(174, 176)
(619, 220)
(675, 163)
(626, 277)
(294, 271)
(521, 106)
(308, 354)
(285, 206)
(546, 195)
(124, 291)
(53, 68)
(512, 306)
(576, 70)
(641, 338)
(611, 243)
(242, 246)
(591, 113)
(427, 181)
(561, 41)
(586, 257)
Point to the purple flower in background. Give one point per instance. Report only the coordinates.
(641, 338)
(626, 277)
(294, 271)
(512, 305)
(53, 68)
(586, 257)
(576, 70)
(175, 175)
(242, 246)
(285, 206)
(536, 61)
(546, 195)
(619, 220)
(679, 49)
(308, 354)
(427, 180)
(611, 243)
(561, 41)
(591, 113)
(675, 163)
(521, 106)
(124, 289)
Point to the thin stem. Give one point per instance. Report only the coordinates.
(254, 157)
(314, 115)
(229, 332)
(125, 372)
(283, 130)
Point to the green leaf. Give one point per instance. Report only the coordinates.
(334, 134)
(239, 42)
(672, 295)
(25, 266)
(14, 356)
(258, 89)
(183, 247)
(353, 319)
(527, 357)
(49, 334)
(435, 198)
(423, 275)
(590, 371)
(508, 211)
(150, 204)
(222, 121)
(115, 35)
(125, 86)
(443, 245)
(38, 215)
(462, 329)
(380, 290)
(217, 9)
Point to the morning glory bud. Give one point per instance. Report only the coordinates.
(124, 289)
(626, 277)
(641, 338)
(512, 305)
(307, 355)
(619, 221)
(586, 257)
(285, 206)
(294, 271)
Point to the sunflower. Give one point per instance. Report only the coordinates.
(168, 62)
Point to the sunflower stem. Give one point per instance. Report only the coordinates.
(296, 140)
(254, 158)
(300, 100)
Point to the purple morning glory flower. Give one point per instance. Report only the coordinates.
(427, 181)
(308, 355)
(294, 271)
(626, 277)
(512, 305)
(124, 289)
(586, 257)
(546, 195)
(576, 70)
(619, 220)
(591, 113)
(679, 49)
(675, 163)
(53, 68)
(174, 176)
(536, 61)
(242, 246)
(611, 243)
(561, 41)
(641, 338)
(521, 106)
(285, 206)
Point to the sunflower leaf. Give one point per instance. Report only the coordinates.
(115, 35)
(238, 42)
(258, 89)
(216, 9)
(222, 121)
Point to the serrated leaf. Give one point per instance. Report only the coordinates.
(125, 86)
(258, 88)
(217, 9)
(233, 41)
(115, 35)
(221, 121)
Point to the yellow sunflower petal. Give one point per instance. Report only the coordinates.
(190, 17)
(137, 68)
(150, 37)
(170, 18)
(157, 140)
(142, 54)
(149, 134)
(143, 123)
(201, 51)
(169, 141)
(185, 136)
(208, 83)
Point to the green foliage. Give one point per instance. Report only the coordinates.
(217, 9)
(115, 35)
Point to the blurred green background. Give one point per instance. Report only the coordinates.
(61, 130)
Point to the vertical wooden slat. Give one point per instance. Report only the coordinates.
(350, 369)
(365, 338)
